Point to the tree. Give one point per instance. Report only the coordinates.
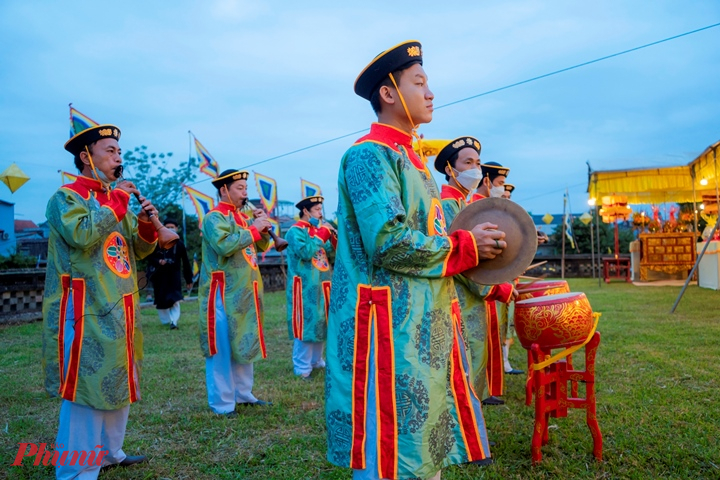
(152, 176)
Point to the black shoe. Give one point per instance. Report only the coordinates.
(483, 463)
(491, 443)
(132, 460)
(173, 327)
(514, 372)
(232, 414)
(257, 403)
(493, 401)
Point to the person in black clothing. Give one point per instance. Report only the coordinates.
(164, 273)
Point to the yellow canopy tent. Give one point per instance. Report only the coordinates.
(679, 184)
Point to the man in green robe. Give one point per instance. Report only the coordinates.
(231, 296)
(92, 342)
(399, 403)
(459, 161)
(310, 254)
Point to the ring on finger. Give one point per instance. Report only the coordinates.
(497, 244)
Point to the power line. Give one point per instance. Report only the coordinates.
(495, 90)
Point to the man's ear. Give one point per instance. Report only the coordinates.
(387, 94)
(85, 158)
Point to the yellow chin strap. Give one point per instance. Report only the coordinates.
(92, 166)
(413, 132)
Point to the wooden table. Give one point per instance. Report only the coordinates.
(667, 252)
(619, 267)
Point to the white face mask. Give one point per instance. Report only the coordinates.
(497, 192)
(469, 179)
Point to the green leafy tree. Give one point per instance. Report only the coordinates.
(155, 179)
(607, 237)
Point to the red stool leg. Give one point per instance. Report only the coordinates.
(573, 383)
(540, 418)
(591, 412)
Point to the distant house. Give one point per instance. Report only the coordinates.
(32, 240)
(7, 228)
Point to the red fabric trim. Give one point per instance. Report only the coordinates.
(385, 367)
(463, 395)
(79, 189)
(117, 201)
(217, 281)
(448, 192)
(501, 293)
(69, 389)
(65, 282)
(363, 316)
(323, 233)
(495, 369)
(477, 196)
(255, 234)
(464, 253)
(297, 306)
(326, 287)
(258, 317)
(129, 307)
(146, 231)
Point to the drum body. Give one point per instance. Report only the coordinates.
(543, 291)
(543, 283)
(553, 321)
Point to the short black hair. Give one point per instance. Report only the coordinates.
(375, 102)
(452, 161)
(78, 161)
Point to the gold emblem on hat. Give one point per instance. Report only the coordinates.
(115, 133)
(477, 144)
(459, 143)
(503, 172)
(105, 132)
(413, 51)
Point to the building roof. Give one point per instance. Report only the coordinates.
(21, 225)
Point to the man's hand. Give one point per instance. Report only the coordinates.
(127, 186)
(146, 207)
(489, 240)
(259, 213)
(541, 237)
(515, 294)
(262, 224)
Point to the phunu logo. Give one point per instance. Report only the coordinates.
(55, 458)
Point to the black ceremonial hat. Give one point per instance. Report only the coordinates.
(509, 187)
(309, 202)
(398, 57)
(493, 170)
(453, 147)
(229, 176)
(89, 136)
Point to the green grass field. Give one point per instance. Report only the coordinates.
(658, 394)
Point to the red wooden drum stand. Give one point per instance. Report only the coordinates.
(551, 394)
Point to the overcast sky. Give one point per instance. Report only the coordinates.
(258, 79)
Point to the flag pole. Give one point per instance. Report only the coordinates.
(182, 205)
(564, 226)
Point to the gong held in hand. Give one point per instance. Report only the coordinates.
(520, 235)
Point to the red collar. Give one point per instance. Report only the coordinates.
(393, 138)
(477, 196)
(90, 184)
(225, 208)
(303, 224)
(450, 192)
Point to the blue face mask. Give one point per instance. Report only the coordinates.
(314, 222)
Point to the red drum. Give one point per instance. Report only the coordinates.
(543, 283)
(542, 291)
(554, 321)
